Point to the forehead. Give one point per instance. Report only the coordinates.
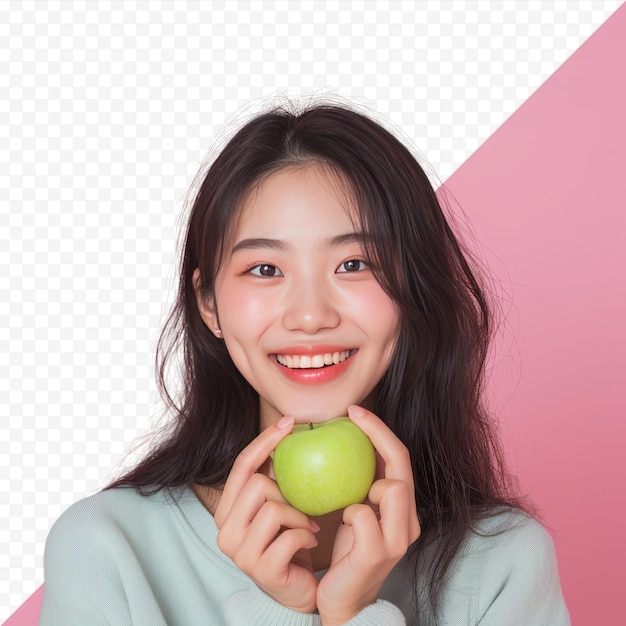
(297, 200)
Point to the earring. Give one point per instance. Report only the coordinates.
(218, 331)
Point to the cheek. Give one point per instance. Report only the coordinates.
(242, 310)
(378, 312)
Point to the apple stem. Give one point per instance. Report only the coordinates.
(310, 425)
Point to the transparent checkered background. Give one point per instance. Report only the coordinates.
(107, 110)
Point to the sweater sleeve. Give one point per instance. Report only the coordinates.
(515, 581)
(382, 613)
(241, 605)
(80, 588)
(94, 573)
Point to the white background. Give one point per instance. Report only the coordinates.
(107, 111)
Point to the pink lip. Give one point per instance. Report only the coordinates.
(314, 376)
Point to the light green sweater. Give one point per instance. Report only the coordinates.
(118, 558)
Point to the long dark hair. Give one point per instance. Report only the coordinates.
(431, 395)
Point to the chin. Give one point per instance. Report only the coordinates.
(306, 410)
(315, 415)
(316, 419)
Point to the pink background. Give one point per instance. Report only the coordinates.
(546, 196)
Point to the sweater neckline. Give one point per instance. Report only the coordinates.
(196, 514)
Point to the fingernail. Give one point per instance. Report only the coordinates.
(356, 411)
(316, 526)
(285, 423)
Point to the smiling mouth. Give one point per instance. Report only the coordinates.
(315, 361)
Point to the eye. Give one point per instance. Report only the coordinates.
(265, 270)
(352, 265)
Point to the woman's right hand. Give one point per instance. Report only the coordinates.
(260, 532)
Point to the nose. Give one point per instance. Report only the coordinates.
(309, 307)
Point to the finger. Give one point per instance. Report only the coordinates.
(394, 453)
(249, 460)
(259, 513)
(265, 529)
(368, 541)
(253, 495)
(284, 548)
(398, 521)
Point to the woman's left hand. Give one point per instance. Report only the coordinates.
(373, 536)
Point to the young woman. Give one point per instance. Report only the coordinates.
(319, 278)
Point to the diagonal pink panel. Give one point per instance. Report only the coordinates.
(28, 613)
(546, 195)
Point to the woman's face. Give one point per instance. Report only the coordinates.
(303, 318)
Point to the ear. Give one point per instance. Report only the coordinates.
(206, 306)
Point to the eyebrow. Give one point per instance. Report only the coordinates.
(256, 243)
(259, 242)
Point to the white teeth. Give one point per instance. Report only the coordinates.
(296, 361)
(317, 360)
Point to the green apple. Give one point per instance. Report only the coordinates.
(323, 467)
